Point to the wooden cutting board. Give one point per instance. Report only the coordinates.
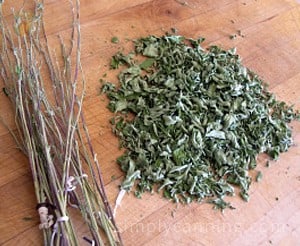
(269, 44)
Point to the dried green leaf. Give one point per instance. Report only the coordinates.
(147, 63)
(216, 134)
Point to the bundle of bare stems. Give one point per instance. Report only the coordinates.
(47, 91)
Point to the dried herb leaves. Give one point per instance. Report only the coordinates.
(200, 119)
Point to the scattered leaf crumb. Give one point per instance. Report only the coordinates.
(259, 176)
(138, 194)
(27, 218)
(239, 32)
(174, 30)
(114, 40)
(233, 36)
(183, 3)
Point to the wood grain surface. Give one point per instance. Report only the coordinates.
(270, 46)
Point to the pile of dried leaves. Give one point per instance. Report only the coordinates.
(200, 119)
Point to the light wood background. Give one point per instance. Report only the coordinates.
(270, 46)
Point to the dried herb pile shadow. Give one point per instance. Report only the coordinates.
(200, 119)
